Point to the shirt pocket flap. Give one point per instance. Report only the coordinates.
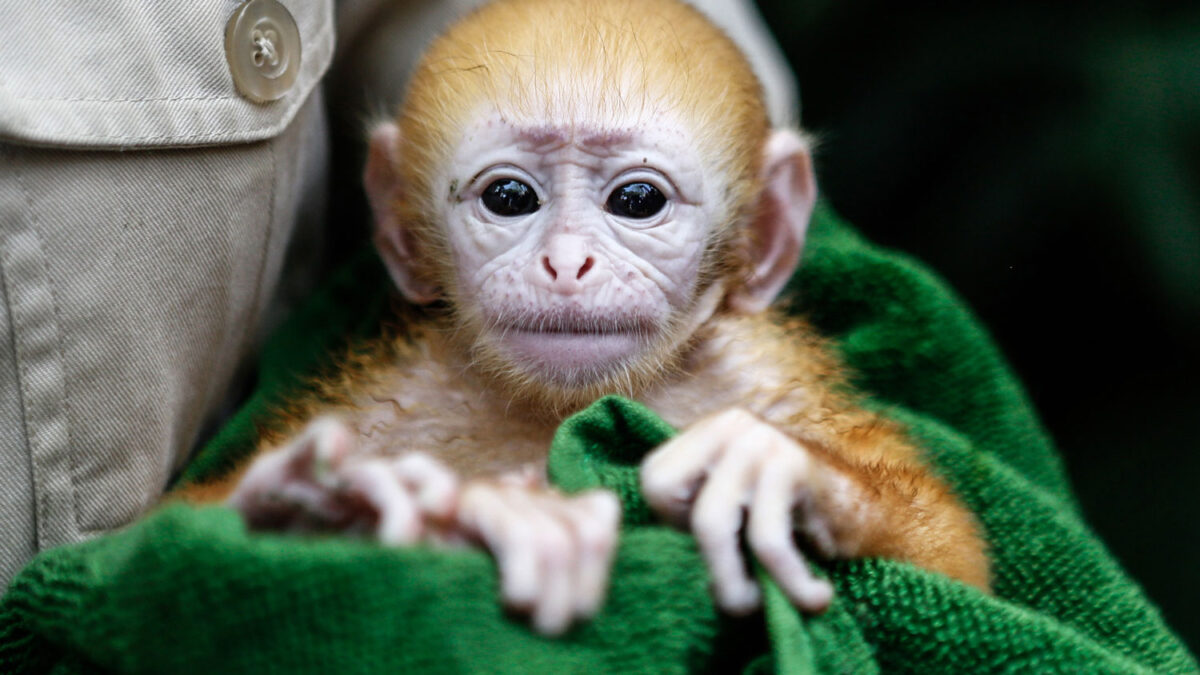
(148, 74)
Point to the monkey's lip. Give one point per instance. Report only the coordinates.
(570, 350)
(577, 350)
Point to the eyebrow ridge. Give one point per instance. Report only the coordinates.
(550, 134)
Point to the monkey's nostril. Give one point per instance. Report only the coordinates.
(587, 265)
(549, 268)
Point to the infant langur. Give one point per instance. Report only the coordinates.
(588, 198)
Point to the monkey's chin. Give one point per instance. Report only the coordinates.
(571, 359)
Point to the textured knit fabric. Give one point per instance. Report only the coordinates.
(189, 590)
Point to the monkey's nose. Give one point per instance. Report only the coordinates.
(551, 270)
(565, 262)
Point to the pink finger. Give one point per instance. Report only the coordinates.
(594, 521)
(717, 521)
(551, 539)
(770, 533)
(435, 485)
(324, 443)
(398, 520)
(484, 513)
(671, 475)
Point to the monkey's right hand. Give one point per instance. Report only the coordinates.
(553, 551)
(317, 482)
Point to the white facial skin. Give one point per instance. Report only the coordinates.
(573, 291)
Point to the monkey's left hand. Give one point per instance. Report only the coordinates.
(732, 471)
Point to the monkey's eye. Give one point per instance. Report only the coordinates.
(510, 197)
(636, 200)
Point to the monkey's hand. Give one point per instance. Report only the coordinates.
(317, 483)
(732, 472)
(553, 551)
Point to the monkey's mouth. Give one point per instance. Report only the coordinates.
(573, 348)
(571, 355)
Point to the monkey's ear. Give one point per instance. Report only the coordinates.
(395, 243)
(786, 203)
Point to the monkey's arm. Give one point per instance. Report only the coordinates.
(849, 499)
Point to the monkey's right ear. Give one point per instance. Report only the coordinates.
(393, 240)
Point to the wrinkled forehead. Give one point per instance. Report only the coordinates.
(597, 111)
(660, 141)
(533, 134)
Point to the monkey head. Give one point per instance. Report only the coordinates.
(586, 183)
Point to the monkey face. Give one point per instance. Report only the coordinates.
(584, 192)
(577, 246)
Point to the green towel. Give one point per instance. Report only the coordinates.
(189, 590)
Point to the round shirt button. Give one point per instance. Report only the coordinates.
(262, 45)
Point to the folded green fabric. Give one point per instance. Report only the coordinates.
(189, 590)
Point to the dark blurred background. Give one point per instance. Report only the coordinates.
(1045, 159)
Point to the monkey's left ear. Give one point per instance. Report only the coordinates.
(777, 232)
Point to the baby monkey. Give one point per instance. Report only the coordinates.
(590, 199)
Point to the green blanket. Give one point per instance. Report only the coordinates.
(189, 590)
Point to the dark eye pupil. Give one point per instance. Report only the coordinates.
(510, 197)
(636, 200)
